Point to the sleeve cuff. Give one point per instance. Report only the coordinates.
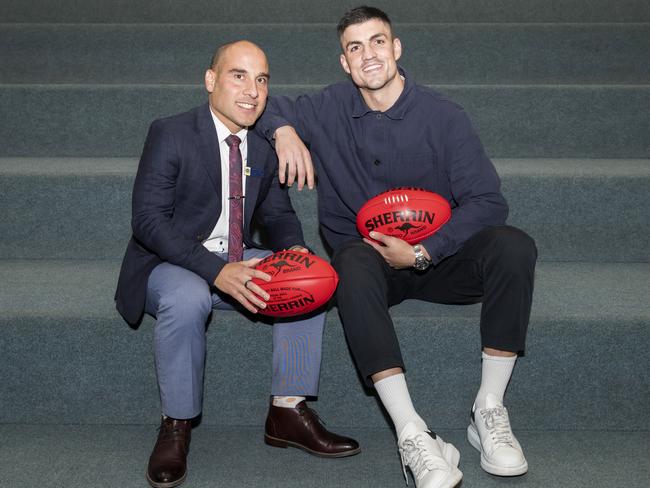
(435, 246)
(273, 123)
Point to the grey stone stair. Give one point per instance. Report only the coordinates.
(66, 350)
(577, 210)
(83, 455)
(304, 53)
(290, 11)
(514, 121)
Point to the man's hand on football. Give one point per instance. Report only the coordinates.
(397, 253)
(294, 158)
(235, 280)
(299, 248)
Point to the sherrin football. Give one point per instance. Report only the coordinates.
(412, 214)
(300, 283)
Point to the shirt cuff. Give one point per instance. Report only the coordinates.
(273, 123)
(436, 246)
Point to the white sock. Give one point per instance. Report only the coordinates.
(494, 377)
(394, 394)
(287, 401)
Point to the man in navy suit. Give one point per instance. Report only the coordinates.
(191, 253)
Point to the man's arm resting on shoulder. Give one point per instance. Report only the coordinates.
(286, 123)
(294, 159)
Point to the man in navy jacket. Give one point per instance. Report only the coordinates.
(380, 130)
(191, 253)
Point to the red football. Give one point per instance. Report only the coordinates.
(300, 283)
(412, 214)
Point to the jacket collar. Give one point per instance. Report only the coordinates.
(397, 111)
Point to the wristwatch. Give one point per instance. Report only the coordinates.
(421, 262)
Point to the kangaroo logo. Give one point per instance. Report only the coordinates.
(280, 264)
(406, 227)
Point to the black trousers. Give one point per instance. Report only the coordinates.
(495, 266)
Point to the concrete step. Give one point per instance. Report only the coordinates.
(81, 456)
(67, 353)
(577, 210)
(204, 11)
(306, 53)
(530, 121)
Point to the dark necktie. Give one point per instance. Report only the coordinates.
(236, 199)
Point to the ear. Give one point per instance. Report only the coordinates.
(210, 80)
(397, 48)
(344, 63)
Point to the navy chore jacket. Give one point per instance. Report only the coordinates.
(424, 140)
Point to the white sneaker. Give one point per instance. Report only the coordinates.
(433, 462)
(490, 433)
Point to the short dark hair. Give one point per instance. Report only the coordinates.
(361, 14)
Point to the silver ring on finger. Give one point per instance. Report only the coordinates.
(246, 284)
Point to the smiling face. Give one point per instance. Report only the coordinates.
(238, 85)
(370, 55)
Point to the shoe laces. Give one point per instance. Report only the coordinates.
(415, 454)
(498, 425)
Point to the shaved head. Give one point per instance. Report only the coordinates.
(221, 50)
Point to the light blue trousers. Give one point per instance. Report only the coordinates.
(181, 302)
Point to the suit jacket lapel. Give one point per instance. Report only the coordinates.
(256, 160)
(209, 156)
(208, 146)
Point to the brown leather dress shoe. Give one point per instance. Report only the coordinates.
(301, 427)
(168, 461)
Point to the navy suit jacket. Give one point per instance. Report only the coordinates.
(177, 202)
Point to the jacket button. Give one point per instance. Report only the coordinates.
(377, 162)
(199, 237)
